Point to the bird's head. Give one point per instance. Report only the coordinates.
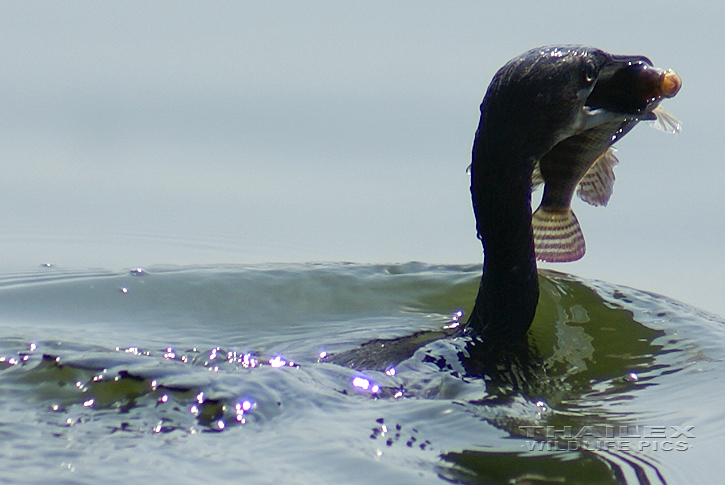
(551, 93)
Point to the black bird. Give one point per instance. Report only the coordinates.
(544, 98)
(558, 107)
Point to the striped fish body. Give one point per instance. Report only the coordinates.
(586, 161)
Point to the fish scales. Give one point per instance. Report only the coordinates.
(586, 160)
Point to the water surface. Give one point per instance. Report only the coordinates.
(262, 373)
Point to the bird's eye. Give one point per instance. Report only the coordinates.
(590, 72)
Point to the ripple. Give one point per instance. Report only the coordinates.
(327, 364)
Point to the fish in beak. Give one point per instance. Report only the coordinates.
(625, 91)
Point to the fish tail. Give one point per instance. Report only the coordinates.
(558, 237)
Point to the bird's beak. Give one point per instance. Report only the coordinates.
(615, 63)
(631, 85)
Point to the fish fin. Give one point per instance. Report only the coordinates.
(596, 186)
(558, 237)
(665, 121)
(536, 178)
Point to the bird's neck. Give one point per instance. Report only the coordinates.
(501, 193)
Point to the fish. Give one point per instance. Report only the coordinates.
(584, 162)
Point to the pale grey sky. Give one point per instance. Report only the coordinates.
(140, 133)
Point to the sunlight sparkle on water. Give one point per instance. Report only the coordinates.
(361, 383)
(244, 406)
(240, 408)
(455, 320)
(365, 385)
(277, 361)
(248, 360)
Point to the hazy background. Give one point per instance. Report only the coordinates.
(141, 133)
